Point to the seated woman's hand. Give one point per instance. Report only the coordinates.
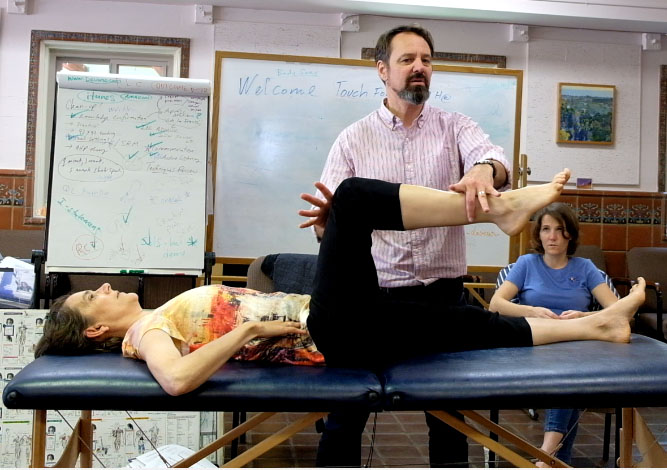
(541, 312)
(267, 329)
(571, 314)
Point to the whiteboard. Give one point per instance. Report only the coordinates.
(275, 118)
(128, 182)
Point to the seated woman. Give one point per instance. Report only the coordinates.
(193, 335)
(554, 284)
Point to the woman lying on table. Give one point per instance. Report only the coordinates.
(553, 284)
(190, 337)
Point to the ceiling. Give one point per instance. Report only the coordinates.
(647, 16)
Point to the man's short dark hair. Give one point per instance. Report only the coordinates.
(383, 46)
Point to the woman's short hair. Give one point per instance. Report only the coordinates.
(64, 333)
(383, 46)
(564, 215)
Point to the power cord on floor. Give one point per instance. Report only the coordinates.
(369, 460)
(92, 452)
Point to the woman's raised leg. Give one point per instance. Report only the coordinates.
(362, 205)
(346, 279)
(346, 287)
(345, 264)
(426, 207)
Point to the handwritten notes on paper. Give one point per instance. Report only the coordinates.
(128, 185)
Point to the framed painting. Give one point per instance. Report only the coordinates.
(586, 114)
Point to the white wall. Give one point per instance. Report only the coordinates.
(490, 38)
(649, 71)
(552, 62)
(284, 30)
(636, 151)
(89, 17)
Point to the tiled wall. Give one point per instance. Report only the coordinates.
(617, 221)
(15, 205)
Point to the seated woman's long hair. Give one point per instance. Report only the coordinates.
(64, 333)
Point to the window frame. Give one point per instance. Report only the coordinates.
(45, 49)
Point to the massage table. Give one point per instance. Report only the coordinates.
(578, 374)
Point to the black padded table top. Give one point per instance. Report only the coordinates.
(112, 382)
(580, 374)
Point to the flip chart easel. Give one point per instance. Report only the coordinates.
(127, 192)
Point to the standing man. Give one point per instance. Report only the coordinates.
(408, 141)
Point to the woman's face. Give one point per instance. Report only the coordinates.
(553, 236)
(103, 303)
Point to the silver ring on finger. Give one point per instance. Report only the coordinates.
(482, 193)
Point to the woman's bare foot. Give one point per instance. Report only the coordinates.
(513, 209)
(613, 323)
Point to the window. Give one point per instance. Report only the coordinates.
(52, 51)
(123, 65)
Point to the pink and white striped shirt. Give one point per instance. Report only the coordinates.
(436, 151)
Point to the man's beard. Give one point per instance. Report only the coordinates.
(415, 94)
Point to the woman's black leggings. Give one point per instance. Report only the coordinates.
(353, 325)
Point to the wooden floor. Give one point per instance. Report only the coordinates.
(401, 439)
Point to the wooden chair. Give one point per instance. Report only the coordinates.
(598, 259)
(651, 264)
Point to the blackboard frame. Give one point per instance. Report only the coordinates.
(220, 57)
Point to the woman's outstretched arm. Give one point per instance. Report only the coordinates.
(602, 294)
(178, 374)
(500, 302)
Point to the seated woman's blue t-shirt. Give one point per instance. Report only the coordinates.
(558, 290)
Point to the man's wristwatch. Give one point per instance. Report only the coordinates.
(487, 162)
